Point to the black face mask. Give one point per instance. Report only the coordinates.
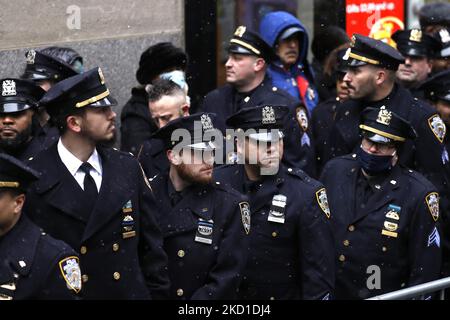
(373, 164)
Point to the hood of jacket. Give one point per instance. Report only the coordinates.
(274, 23)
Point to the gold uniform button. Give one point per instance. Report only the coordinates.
(180, 292)
(351, 228)
(115, 247)
(341, 258)
(274, 234)
(272, 298)
(346, 243)
(116, 276)
(83, 250)
(181, 253)
(384, 249)
(84, 278)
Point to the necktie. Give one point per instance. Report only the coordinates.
(90, 188)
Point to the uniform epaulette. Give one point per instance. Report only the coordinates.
(218, 185)
(419, 178)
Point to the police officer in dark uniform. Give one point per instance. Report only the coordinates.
(45, 70)
(96, 199)
(418, 49)
(385, 215)
(205, 226)
(247, 51)
(437, 92)
(434, 16)
(19, 124)
(371, 81)
(441, 61)
(292, 248)
(167, 101)
(33, 265)
(136, 122)
(324, 113)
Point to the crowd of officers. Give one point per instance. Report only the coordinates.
(335, 185)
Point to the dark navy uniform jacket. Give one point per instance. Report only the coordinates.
(425, 154)
(396, 231)
(136, 124)
(201, 270)
(115, 264)
(298, 144)
(152, 157)
(322, 121)
(290, 260)
(30, 265)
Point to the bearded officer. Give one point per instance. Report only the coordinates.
(385, 215)
(205, 226)
(33, 265)
(370, 78)
(292, 248)
(96, 198)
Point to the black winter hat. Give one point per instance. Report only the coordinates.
(159, 58)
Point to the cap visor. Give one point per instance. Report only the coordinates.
(267, 136)
(353, 63)
(289, 32)
(105, 102)
(14, 107)
(239, 50)
(210, 145)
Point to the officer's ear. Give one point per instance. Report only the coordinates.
(174, 157)
(259, 64)
(19, 200)
(74, 123)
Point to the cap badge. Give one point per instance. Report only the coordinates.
(30, 56)
(240, 31)
(9, 88)
(415, 35)
(206, 122)
(268, 115)
(100, 74)
(445, 36)
(384, 116)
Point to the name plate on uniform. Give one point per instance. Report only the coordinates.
(276, 213)
(204, 231)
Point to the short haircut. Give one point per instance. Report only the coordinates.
(162, 87)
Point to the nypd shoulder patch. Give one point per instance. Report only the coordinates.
(70, 270)
(245, 215)
(438, 127)
(432, 200)
(322, 200)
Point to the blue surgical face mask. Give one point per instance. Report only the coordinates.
(374, 164)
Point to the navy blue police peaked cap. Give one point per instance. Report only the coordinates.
(250, 43)
(265, 117)
(365, 50)
(87, 89)
(18, 95)
(384, 126)
(437, 87)
(42, 66)
(15, 174)
(198, 132)
(415, 43)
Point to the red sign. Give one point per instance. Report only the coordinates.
(376, 19)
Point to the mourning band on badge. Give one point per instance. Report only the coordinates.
(7, 291)
(390, 225)
(277, 209)
(204, 231)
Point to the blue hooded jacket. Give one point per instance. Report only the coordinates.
(299, 75)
